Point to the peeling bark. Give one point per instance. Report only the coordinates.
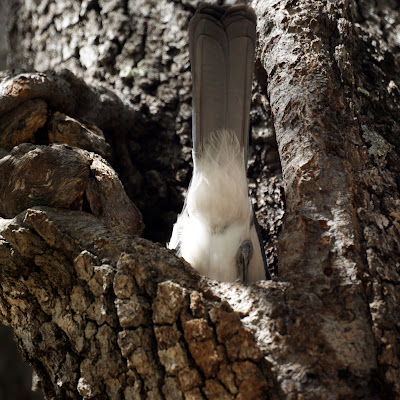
(103, 314)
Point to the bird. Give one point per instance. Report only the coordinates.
(217, 231)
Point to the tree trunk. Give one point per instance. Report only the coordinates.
(103, 314)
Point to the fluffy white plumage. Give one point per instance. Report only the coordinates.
(216, 231)
(217, 217)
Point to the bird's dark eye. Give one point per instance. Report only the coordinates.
(243, 257)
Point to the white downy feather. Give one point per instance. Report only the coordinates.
(217, 214)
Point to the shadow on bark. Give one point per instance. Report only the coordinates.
(101, 313)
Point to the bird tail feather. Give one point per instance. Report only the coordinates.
(222, 46)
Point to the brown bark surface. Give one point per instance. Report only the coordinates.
(103, 314)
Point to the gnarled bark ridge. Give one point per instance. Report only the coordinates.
(103, 314)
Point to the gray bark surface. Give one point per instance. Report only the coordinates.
(103, 314)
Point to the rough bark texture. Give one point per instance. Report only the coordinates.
(338, 137)
(102, 314)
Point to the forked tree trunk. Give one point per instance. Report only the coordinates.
(103, 314)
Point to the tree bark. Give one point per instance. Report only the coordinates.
(103, 314)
